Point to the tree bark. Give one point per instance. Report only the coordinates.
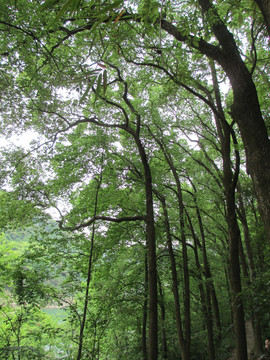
(264, 6)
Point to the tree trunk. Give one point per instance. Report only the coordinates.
(151, 246)
(257, 333)
(245, 110)
(145, 304)
(178, 319)
(205, 297)
(89, 274)
(255, 320)
(230, 181)
(264, 6)
(207, 270)
(234, 265)
(163, 317)
(187, 319)
(249, 119)
(235, 285)
(243, 260)
(242, 216)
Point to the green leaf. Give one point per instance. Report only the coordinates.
(240, 19)
(48, 4)
(98, 87)
(89, 86)
(85, 93)
(67, 5)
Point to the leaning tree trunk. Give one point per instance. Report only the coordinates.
(245, 110)
(248, 117)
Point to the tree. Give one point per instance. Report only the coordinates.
(264, 6)
(118, 86)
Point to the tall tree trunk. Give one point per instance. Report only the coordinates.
(180, 335)
(187, 319)
(230, 182)
(207, 270)
(216, 312)
(145, 305)
(205, 297)
(255, 139)
(245, 110)
(163, 318)
(235, 282)
(243, 218)
(228, 290)
(257, 332)
(243, 261)
(151, 246)
(255, 320)
(89, 273)
(149, 219)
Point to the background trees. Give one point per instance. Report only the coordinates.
(134, 193)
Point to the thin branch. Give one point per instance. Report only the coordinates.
(126, 99)
(100, 217)
(33, 36)
(202, 164)
(176, 81)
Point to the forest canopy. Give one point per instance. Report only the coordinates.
(135, 179)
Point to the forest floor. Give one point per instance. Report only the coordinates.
(250, 343)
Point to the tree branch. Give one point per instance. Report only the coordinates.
(100, 217)
(212, 51)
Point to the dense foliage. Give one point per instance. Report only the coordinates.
(135, 179)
